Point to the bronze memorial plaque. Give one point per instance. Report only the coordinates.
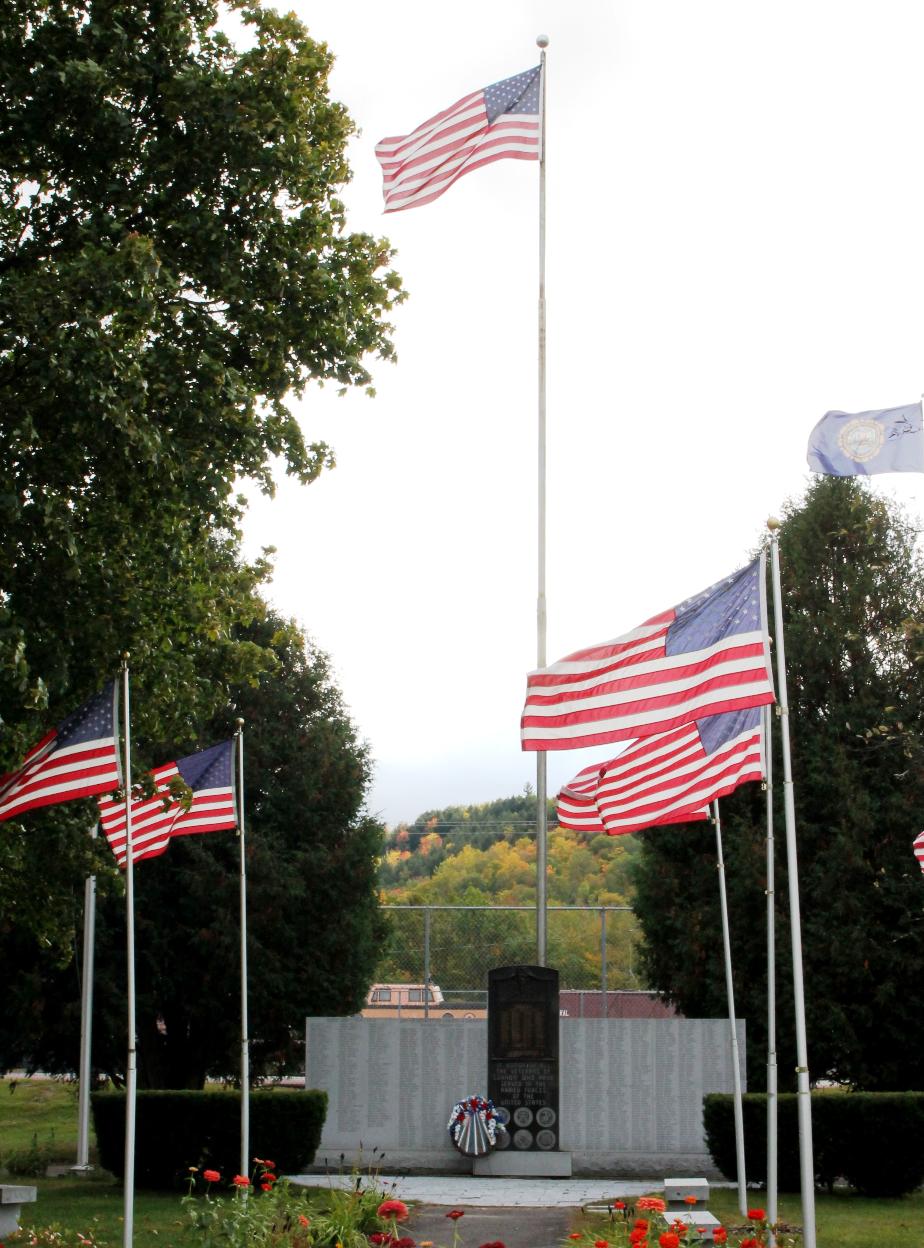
(523, 1055)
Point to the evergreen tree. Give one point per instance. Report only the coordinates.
(853, 591)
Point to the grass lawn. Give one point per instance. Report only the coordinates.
(40, 1109)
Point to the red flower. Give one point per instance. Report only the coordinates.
(379, 1237)
(211, 1176)
(303, 1220)
(669, 1240)
(396, 1209)
(574, 1235)
(266, 1187)
(750, 1242)
(268, 1178)
(404, 1242)
(601, 1243)
(619, 1204)
(641, 1224)
(756, 1215)
(690, 1200)
(241, 1180)
(719, 1235)
(495, 1243)
(638, 1235)
(269, 1164)
(654, 1203)
(455, 1214)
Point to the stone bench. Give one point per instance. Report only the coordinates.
(12, 1198)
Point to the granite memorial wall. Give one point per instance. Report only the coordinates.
(629, 1088)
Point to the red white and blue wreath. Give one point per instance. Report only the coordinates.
(473, 1125)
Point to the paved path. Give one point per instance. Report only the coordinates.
(460, 1191)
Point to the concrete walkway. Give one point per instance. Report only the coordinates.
(460, 1191)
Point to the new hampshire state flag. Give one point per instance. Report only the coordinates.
(864, 443)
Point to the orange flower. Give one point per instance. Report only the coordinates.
(654, 1203)
(241, 1180)
(690, 1200)
(303, 1220)
(211, 1176)
(756, 1215)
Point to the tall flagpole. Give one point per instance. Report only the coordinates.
(732, 1020)
(86, 1023)
(131, 1066)
(803, 1086)
(542, 830)
(245, 1040)
(772, 1163)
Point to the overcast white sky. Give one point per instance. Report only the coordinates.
(735, 245)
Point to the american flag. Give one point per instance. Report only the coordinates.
(79, 758)
(156, 820)
(497, 122)
(919, 849)
(669, 777)
(706, 656)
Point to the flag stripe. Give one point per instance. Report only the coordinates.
(707, 656)
(76, 759)
(666, 778)
(154, 823)
(419, 167)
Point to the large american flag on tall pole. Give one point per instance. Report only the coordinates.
(78, 758)
(498, 122)
(157, 819)
(704, 657)
(669, 777)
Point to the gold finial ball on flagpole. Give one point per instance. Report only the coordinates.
(542, 41)
(773, 524)
(240, 723)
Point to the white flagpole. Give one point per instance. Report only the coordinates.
(131, 1067)
(803, 1086)
(732, 1021)
(86, 1022)
(542, 832)
(772, 1163)
(245, 1041)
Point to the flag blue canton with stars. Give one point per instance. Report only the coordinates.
(208, 769)
(91, 722)
(732, 606)
(519, 94)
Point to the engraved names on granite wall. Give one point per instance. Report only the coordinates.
(627, 1085)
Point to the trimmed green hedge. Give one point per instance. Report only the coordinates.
(873, 1140)
(176, 1130)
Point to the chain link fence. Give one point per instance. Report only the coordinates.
(452, 948)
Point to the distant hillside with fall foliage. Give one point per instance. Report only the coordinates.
(485, 855)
